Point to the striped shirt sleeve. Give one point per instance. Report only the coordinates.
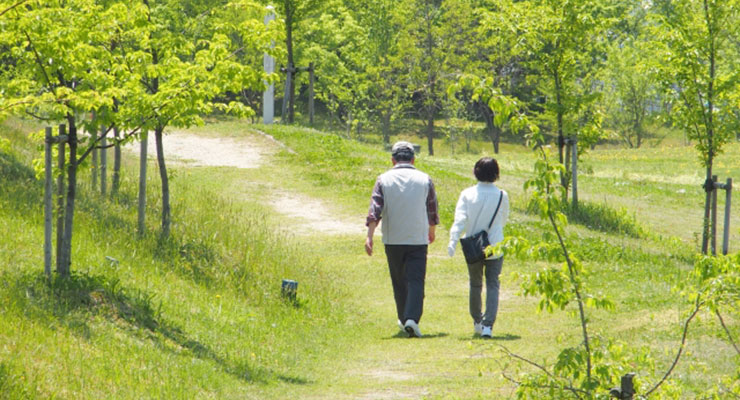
(376, 203)
(432, 213)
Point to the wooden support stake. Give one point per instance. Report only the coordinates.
(713, 236)
(60, 196)
(286, 97)
(103, 162)
(310, 94)
(142, 182)
(94, 160)
(728, 202)
(48, 212)
(574, 171)
(116, 178)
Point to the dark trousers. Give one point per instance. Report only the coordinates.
(408, 267)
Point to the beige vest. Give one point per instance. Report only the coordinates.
(404, 217)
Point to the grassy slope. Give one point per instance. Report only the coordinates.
(200, 315)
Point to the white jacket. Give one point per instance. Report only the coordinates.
(473, 213)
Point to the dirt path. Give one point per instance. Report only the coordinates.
(311, 215)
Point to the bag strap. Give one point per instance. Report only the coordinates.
(496, 212)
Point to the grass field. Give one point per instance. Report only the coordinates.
(200, 315)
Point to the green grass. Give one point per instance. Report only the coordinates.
(200, 315)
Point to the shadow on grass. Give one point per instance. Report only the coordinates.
(74, 300)
(194, 258)
(22, 193)
(404, 335)
(506, 337)
(102, 209)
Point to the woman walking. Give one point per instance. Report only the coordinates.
(482, 207)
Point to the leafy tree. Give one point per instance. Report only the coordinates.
(425, 60)
(590, 368)
(561, 41)
(186, 58)
(490, 44)
(294, 12)
(60, 71)
(698, 66)
(137, 65)
(630, 95)
(332, 42)
(381, 84)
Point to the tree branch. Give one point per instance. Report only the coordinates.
(576, 288)
(38, 60)
(727, 331)
(576, 392)
(697, 307)
(38, 116)
(12, 7)
(9, 106)
(99, 138)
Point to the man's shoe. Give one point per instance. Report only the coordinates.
(412, 328)
(477, 328)
(400, 325)
(487, 332)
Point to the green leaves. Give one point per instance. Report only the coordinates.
(716, 279)
(697, 65)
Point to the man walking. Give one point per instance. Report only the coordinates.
(404, 198)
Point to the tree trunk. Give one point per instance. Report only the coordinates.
(710, 144)
(386, 127)
(495, 138)
(430, 133)
(165, 182)
(493, 132)
(310, 94)
(65, 266)
(291, 65)
(116, 177)
(561, 136)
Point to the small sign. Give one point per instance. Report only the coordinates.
(289, 289)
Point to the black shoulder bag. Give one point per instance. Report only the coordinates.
(473, 246)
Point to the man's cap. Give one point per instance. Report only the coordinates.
(403, 148)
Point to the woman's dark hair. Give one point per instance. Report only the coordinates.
(486, 170)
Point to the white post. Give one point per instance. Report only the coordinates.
(268, 99)
(286, 97)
